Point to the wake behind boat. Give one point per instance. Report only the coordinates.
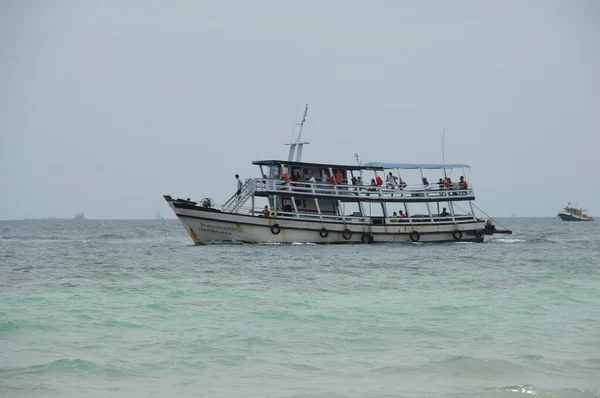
(573, 214)
(295, 201)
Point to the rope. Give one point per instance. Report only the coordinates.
(488, 216)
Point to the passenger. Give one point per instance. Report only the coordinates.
(312, 179)
(286, 177)
(373, 186)
(401, 183)
(441, 184)
(331, 179)
(324, 176)
(266, 211)
(359, 182)
(463, 183)
(402, 215)
(379, 181)
(394, 217)
(444, 213)
(339, 177)
(425, 182)
(239, 187)
(354, 181)
(391, 181)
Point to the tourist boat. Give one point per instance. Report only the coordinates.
(286, 205)
(573, 214)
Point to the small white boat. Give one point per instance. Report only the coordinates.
(294, 201)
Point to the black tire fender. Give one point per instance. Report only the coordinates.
(347, 234)
(366, 238)
(457, 234)
(323, 232)
(275, 229)
(478, 233)
(415, 236)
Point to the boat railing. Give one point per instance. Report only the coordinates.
(328, 189)
(321, 189)
(363, 220)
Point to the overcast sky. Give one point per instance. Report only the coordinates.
(107, 105)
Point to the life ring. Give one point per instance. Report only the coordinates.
(275, 229)
(456, 234)
(415, 236)
(323, 232)
(478, 233)
(347, 234)
(366, 238)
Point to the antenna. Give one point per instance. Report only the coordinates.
(358, 161)
(298, 144)
(443, 155)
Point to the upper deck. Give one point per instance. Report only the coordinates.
(353, 193)
(352, 183)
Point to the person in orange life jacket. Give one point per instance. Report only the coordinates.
(339, 177)
(401, 184)
(448, 183)
(463, 184)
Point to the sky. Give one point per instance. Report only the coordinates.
(107, 105)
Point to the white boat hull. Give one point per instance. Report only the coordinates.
(210, 226)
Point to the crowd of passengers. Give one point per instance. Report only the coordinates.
(391, 182)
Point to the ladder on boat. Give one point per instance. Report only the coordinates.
(234, 203)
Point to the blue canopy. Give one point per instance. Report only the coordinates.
(416, 165)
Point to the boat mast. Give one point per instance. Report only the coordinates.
(298, 144)
(443, 156)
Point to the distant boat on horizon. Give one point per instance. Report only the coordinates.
(573, 214)
(79, 216)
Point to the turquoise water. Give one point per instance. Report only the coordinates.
(132, 309)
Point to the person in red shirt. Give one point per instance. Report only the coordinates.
(463, 183)
(338, 176)
(379, 181)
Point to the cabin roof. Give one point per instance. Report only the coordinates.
(318, 165)
(408, 166)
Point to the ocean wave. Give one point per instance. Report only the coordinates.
(7, 327)
(527, 389)
(69, 366)
(467, 366)
(107, 236)
(506, 240)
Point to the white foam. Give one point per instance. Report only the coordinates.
(507, 240)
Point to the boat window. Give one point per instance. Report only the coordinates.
(418, 210)
(275, 172)
(350, 209)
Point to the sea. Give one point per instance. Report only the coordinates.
(97, 308)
